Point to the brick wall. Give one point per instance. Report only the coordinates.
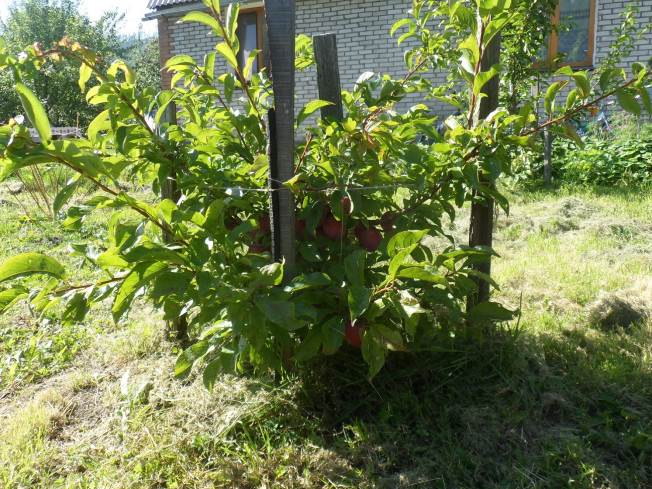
(364, 44)
(363, 40)
(609, 17)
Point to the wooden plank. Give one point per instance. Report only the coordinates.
(547, 157)
(482, 211)
(280, 21)
(328, 75)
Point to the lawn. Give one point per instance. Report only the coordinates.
(560, 398)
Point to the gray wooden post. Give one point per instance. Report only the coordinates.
(482, 211)
(547, 157)
(280, 20)
(177, 328)
(328, 75)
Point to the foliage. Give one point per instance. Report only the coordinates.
(523, 41)
(203, 256)
(419, 418)
(144, 56)
(46, 22)
(622, 156)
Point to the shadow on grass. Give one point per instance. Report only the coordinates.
(566, 410)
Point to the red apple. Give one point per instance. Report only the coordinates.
(264, 224)
(300, 227)
(230, 223)
(353, 333)
(387, 221)
(332, 228)
(369, 238)
(259, 248)
(346, 206)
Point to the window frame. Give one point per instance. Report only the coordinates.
(553, 42)
(260, 32)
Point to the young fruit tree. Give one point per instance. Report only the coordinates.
(375, 269)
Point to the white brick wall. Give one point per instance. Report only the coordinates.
(364, 44)
(363, 40)
(609, 17)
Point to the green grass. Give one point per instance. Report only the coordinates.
(554, 402)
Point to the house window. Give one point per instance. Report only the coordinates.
(573, 39)
(251, 24)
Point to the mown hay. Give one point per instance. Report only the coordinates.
(612, 310)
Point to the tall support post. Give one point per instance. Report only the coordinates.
(280, 20)
(547, 157)
(482, 209)
(177, 328)
(328, 75)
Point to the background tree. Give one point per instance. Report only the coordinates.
(143, 55)
(47, 22)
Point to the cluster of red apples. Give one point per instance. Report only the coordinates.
(368, 236)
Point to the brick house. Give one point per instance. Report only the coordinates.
(364, 44)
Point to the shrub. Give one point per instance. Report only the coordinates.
(375, 267)
(620, 157)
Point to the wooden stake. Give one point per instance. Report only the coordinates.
(547, 157)
(280, 20)
(328, 75)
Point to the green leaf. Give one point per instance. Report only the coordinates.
(9, 297)
(203, 18)
(373, 351)
(571, 133)
(491, 311)
(232, 12)
(279, 312)
(400, 23)
(85, 73)
(180, 60)
(271, 274)
(483, 78)
(332, 335)
(581, 80)
(29, 264)
(120, 65)
(209, 65)
(35, 112)
(188, 357)
(403, 240)
(359, 299)
(211, 371)
(354, 266)
(228, 54)
(64, 195)
(401, 258)
(628, 102)
(551, 94)
(102, 122)
(309, 347)
(310, 108)
(76, 309)
(645, 99)
(308, 281)
(138, 278)
(427, 275)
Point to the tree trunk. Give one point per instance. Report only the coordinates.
(482, 209)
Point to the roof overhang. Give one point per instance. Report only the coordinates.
(188, 7)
